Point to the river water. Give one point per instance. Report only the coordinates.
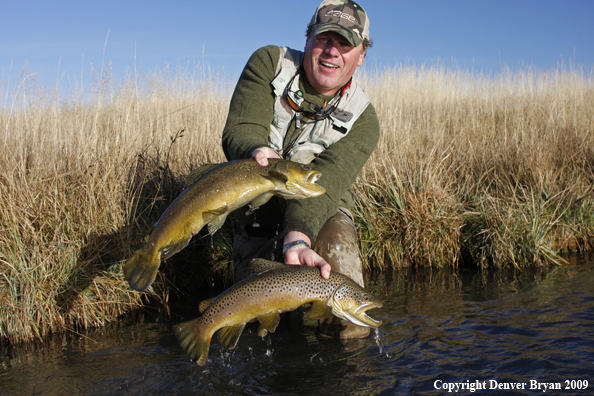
(489, 332)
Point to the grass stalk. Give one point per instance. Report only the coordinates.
(495, 171)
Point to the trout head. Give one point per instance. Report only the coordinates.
(350, 301)
(294, 180)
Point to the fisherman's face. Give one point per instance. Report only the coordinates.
(330, 61)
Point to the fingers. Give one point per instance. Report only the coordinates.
(260, 157)
(262, 154)
(324, 268)
(303, 255)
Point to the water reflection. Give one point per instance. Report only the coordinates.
(439, 325)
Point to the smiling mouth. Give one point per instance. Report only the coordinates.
(330, 65)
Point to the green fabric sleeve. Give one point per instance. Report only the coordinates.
(340, 165)
(247, 128)
(252, 106)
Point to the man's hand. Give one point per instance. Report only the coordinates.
(303, 255)
(262, 154)
(299, 254)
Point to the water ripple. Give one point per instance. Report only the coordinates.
(486, 329)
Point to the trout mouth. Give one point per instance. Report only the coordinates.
(358, 316)
(313, 177)
(301, 186)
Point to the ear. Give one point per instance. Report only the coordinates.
(361, 58)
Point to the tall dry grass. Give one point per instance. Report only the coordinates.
(495, 171)
(83, 179)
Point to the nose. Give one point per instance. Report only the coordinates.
(332, 48)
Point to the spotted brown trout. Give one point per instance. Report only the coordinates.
(275, 289)
(215, 191)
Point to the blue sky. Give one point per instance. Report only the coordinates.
(62, 39)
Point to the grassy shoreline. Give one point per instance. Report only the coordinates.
(495, 172)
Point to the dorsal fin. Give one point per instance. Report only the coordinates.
(258, 266)
(203, 306)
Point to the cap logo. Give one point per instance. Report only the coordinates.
(341, 14)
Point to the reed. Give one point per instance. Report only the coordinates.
(82, 182)
(494, 171)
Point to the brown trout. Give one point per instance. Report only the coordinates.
(216, 191)
(275, 289)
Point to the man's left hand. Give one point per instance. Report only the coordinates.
(304, 255)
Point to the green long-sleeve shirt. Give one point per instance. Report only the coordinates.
(247, 128)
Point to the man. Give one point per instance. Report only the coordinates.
(306, 107)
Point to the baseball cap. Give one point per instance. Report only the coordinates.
(344, 17)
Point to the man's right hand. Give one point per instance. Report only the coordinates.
(261, 155)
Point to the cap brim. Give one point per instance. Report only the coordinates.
(332, 27)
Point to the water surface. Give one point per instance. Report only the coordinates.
(470, 327)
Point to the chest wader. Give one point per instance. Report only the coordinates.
(337, 244)
(337, 239)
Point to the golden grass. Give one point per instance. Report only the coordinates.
(494, 171)
(498, 171)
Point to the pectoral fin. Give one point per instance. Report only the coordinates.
(215, 218)
(319, 310)
(259, 201)
(228, 336)
(170, 250)
(268, 323)
(277, 177)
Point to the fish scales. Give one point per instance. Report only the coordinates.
(215, 191)
(292, 285)
(282, 289)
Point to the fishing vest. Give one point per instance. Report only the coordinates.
(316, 135)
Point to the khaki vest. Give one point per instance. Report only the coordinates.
(316, 136)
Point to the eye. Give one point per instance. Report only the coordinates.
(306, 167)
(321, 39)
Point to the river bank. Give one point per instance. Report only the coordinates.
(470, 170)
(498, 328)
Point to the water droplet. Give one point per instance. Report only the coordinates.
(380, 345)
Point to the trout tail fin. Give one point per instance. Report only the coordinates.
(192, 341)
(141, 269)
